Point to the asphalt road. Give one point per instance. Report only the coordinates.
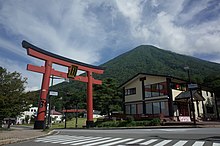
(157, 137)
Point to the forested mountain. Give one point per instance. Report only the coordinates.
(149, 59)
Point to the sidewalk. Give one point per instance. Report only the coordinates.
(20, 133)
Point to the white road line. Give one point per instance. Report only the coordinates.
(148, 142)
(180, 143)
(116, 142)
(198, 143)
(81, 140)
(66, 140)
(90, 141)
(216, 144)
(162, 143)
(135, 141)
(101, 142)
(58, 139)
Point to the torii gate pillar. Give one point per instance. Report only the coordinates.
(89, 121)
(47, 71)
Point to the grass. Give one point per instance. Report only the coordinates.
(71, 123)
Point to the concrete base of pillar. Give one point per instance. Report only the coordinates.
(89, 124)
(39, 125)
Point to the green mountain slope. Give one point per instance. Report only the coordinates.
(149, 59)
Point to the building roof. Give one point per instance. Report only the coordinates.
(53, 112)
(186, 95)
(74, 110)
(140, 75)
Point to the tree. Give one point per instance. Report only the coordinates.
(13, 100)
(213, 81)
(107, 97)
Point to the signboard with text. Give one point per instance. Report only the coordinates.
(184, 119)
(192, 86)
(72, 71)
(53, 93)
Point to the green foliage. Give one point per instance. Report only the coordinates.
(13, 100)
(107, 97)
(155, 122)
(128, 123)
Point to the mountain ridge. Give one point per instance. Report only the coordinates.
(155, 60)
(151, 60)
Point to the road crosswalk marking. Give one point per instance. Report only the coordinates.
(180, 143)
(114, 141)
(162, 143)
(198, 143)
(216, 144)
(148, 142)
(117, 142)
(90, 141)
(101, 142)
(135, 141)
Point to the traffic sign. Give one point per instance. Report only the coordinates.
(192, 86)
(72, 71)
(53, 93)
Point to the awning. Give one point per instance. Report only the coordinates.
(186, 95)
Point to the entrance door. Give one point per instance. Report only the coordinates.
(183, 109)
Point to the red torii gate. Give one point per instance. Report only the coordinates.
(47, 71)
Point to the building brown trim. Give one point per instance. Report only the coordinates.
(170, 99)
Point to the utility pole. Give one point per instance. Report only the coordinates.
(191, 96)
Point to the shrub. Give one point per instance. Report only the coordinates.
(155, 122)
(131, 123)
(108, 124)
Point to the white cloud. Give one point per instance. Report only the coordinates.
(65, 28)
(83, 30)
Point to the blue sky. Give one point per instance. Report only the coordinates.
(95, 31)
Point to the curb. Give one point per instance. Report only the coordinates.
(16, 140)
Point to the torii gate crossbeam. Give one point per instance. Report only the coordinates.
(47, 71)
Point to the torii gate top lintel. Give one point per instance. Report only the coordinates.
(32, 50)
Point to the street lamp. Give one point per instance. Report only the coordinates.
(191, 96)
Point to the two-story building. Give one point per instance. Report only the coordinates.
(150, 95)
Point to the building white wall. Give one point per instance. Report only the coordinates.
(31, 112)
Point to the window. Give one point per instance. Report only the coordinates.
(148, 91)
(156, 107)
(153, 90)
(149, 108)
(139, 108)
(127, 109)
(178, 86)
(164, 108)
(133, 109)
(130, 91)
